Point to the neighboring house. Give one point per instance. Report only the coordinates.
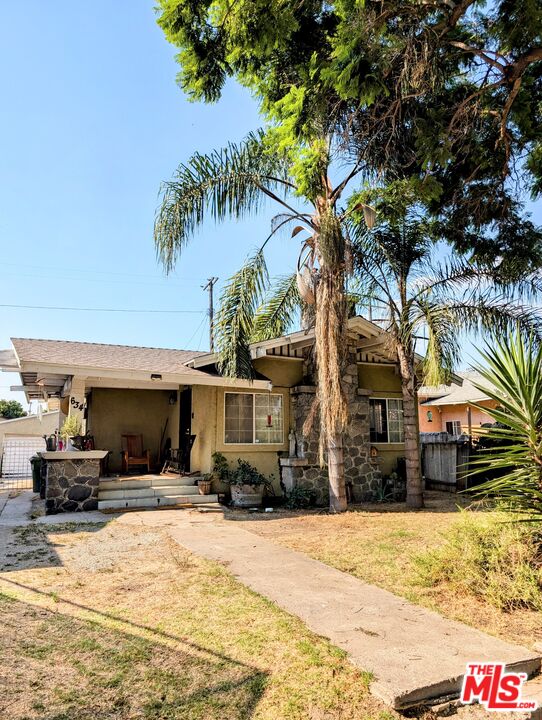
(163, 394)
(447, 408)
(20, 438)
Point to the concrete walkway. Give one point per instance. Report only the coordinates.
(413, 653)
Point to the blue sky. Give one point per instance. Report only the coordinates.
(91, 122)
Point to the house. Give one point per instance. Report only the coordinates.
(165, 394)
(20, 439)
(447, 408)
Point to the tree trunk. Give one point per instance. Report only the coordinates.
(414, 485)
(335, 459)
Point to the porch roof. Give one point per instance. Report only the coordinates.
(45, 367)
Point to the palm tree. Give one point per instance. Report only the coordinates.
(235, 182)
(421, 300)
(513, 446)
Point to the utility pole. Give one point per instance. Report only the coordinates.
(209, 287)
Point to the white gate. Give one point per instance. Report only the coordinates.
(16, 471)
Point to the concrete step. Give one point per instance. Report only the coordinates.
(153, 481)
(147, 492)
(153, 502)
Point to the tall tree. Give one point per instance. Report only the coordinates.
(441, 98)
(429, 304)
(11, 409)
(232, 183)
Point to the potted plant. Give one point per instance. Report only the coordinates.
(247, 485)
(221, 469)
(72, 427)
(204, 484)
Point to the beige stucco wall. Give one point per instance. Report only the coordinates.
(383, 382)
(30, 425)
(115, 412)
(282, 372)
(208, 421)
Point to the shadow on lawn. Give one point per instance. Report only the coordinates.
(54, 666)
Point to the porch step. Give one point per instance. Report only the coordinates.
(146, 492)
(153, 502)
(153, 481)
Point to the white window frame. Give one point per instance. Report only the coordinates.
(253, 394)
(455, 424)
(388, 441)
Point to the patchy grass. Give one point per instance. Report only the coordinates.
(487, 556)
(123, 623)
(380, 544)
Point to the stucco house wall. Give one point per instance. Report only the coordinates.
(29, 425)
(442, 414)
(113, 413)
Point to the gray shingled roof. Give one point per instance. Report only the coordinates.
(97, 355)
(455, 394)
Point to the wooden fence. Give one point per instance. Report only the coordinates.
(444, 460)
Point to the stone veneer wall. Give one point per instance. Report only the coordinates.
(72, 485)
(305, 471)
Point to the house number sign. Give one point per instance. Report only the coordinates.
(76, 405)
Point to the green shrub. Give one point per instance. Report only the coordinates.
(299, 498)
(490, 558)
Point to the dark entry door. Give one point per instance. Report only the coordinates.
(185, 423)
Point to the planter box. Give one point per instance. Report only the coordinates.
(247, 495)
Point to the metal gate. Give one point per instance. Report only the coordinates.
(16, 471)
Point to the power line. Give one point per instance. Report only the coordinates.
(115, 310)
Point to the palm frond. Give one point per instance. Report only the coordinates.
(277, 313)
(232, 182)
(442, 352)
(481, 312)
(235, 318)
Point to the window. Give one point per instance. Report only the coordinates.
(386, 420)
(253, 418)
(453, 427)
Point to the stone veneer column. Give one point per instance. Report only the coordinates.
(72, 482)
(362, 477)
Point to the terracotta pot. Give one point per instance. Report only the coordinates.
(247, 495)
(204, 487)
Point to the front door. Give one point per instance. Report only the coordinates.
(185, 423)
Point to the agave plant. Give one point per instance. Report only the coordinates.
(513, 371)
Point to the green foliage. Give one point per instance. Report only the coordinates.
(278, 311)
(246, 474)
(11, 409)
(490, 558)
(399, 273)
(220, 466)
(300, 498)
(513, 371)
(72, 426)
(235, 317)
(233, 182)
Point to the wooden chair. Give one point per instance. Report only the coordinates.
(133, 453)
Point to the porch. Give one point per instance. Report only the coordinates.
(151, 491)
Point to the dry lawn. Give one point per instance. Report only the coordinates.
(118, 622)
(377, 543)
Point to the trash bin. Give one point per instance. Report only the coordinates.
(35, 461)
